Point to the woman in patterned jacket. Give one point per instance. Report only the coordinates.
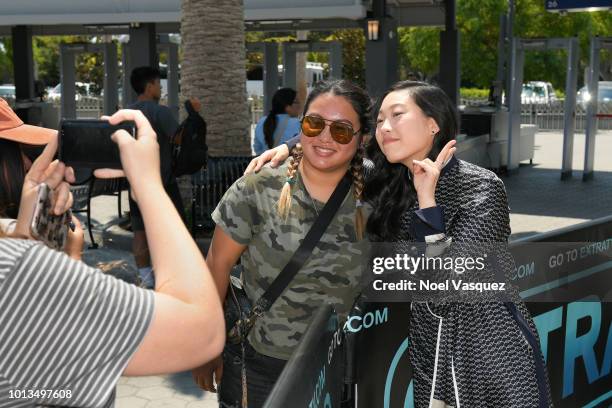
(471, 354)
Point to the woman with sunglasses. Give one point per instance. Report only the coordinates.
(473, 354)
(262, 219)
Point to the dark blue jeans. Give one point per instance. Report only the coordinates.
(261, 373)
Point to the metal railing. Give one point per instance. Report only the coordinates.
(87, 107)
(549, 116)
(255, 108)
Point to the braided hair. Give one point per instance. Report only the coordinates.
(284, 203)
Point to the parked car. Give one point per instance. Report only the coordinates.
(7, 91)
(604, 94)
(82, 89)
(538, 92)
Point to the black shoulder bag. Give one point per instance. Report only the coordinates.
(240, 316)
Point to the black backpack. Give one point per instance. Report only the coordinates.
(189, 149)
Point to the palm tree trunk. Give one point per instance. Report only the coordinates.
(213, 70)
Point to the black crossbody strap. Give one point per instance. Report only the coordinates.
(305, 249)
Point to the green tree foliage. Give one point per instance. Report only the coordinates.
(46, 49)
(254, 60)
(353, 50)
(6, 60)
(479, 23)
(419, 52)
(353, 53)
(46, 57)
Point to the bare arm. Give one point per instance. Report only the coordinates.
(222, 256)
(187, 327)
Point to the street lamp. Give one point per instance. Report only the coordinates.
(373, 27)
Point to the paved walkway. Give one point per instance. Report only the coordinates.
(539, 202)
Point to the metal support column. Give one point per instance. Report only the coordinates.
(450, 69)
(498, 84)
(508, 41)
(382, 58)
(68, 78)
(592, 81)
(591, 111)
(569, 120)
(517, 61)
(111, 100)
(270, 73)
(126, 67)
(173, 79)
(23, 62)
(514, 117)
(289, 68)
(335, 60)
(142, 52)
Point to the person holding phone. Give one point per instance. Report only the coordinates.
(68, 331)
(18, 143)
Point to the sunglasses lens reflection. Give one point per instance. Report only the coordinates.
(341, 133)
(313, 126)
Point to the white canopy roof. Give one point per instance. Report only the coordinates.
(55, 12)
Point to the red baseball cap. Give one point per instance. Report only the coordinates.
(13, 128)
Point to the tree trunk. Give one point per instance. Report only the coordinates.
(213, 70)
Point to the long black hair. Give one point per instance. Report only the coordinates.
(282, 98)
(12, 174)
(390, 189)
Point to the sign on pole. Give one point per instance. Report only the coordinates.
(578, 5)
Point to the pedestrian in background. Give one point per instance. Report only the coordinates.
(280, 124)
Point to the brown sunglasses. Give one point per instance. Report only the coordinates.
(341, 132)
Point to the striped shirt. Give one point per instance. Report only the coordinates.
(64, 327)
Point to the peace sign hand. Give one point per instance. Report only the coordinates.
(426, 173)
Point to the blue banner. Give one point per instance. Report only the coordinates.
(364, 362)
(578, 5)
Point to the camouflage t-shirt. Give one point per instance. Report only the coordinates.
(248, 213)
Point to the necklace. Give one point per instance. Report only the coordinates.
(311, 199)
(313, 204)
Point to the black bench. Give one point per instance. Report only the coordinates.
(209, 185)
(94, 187)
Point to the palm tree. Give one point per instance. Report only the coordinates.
(213, 70)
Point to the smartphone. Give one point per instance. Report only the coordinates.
(87, 143)
(47, 227)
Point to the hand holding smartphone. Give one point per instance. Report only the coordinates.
(87, 143)
(47, 227)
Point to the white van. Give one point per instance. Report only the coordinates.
(314, 74)
(538, 92)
